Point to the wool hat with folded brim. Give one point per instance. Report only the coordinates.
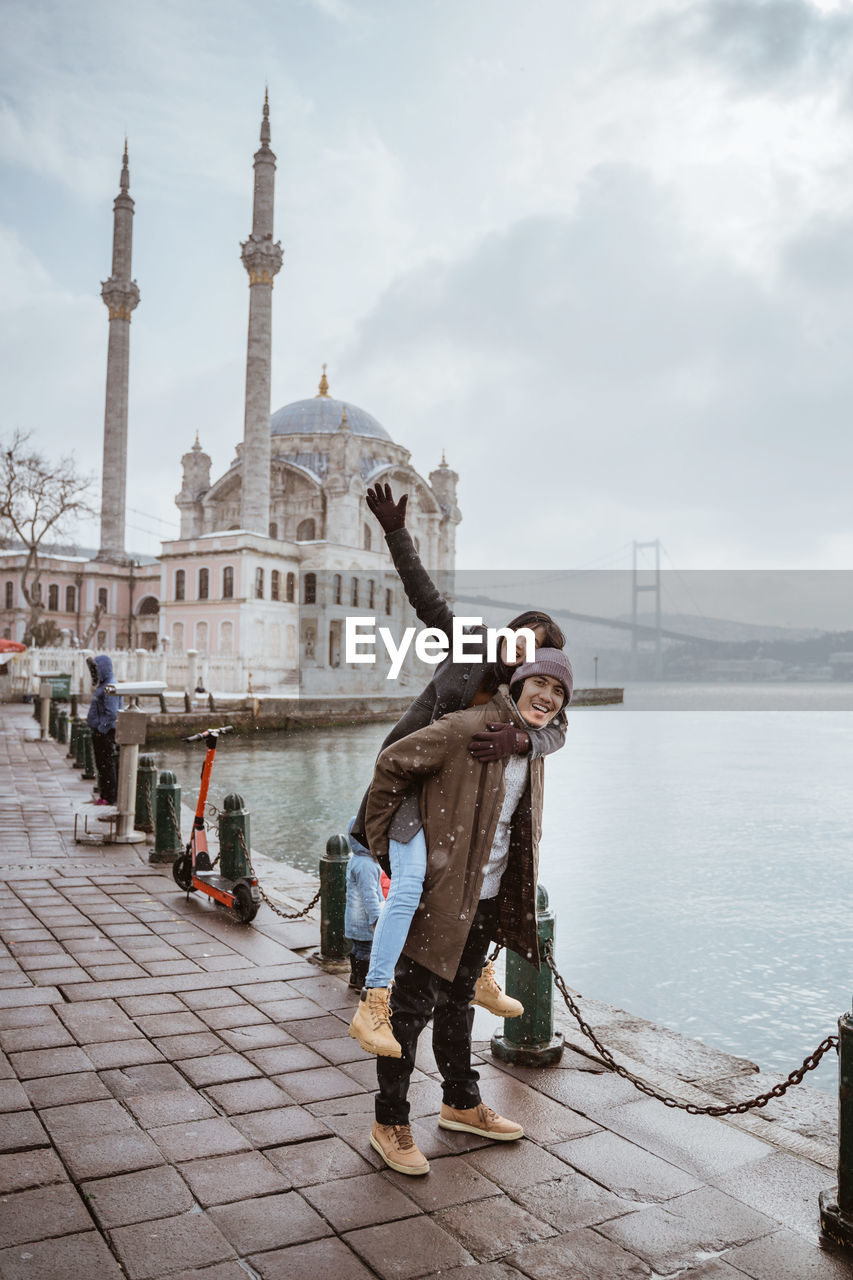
(548, 662)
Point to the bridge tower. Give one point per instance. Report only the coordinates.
(641, 583)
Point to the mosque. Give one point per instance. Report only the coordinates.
(273, 555)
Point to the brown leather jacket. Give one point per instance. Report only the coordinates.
(461, 801)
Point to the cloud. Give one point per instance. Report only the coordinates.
(790, 46)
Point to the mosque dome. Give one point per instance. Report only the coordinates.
(322, 415)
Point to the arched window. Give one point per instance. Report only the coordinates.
(226, 638)
(104, 599)
(305, 531)
(10, 595)
(203, 584)
(371, 593)
(259, 584)
(368, 537)
(309, 588)
(180, 584)
(291, 587)
(273, 529)
(53, 597)
(177, 637)
(389, 601)
(353, 593)
(228, 582)
(275, 590)
(201, 636)
(70, 600)
(337, 587)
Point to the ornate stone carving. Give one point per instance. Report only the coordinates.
(262, 259)
(121, 297)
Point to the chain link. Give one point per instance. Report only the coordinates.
(285, 915)
(731, 1109)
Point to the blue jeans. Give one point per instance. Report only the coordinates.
(408, 868)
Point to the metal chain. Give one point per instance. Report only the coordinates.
(285, 915)
(734, 1108)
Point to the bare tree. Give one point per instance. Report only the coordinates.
(38, 501)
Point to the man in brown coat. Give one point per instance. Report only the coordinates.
(482, 821)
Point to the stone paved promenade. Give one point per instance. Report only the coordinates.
(180, 1098)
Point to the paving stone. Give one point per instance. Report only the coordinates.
(223, 1179)
(270, 1222)
(360, 1202)
(27, 1016)
(135, 1006)
(235, 1015)
(75, 1257)
(196, 1138)
(197, 1045)
(259, 992)
(152, 1077)
(108, 1154)
(676, 1235)
(578, 1253)
(308, 1029)
(543, 1119)
(166, 967)
(451, 1181)
(12, 1096)
(16, 998)
(123, 1053)
(341, 1049)
(318, 1258)
(137, 1197)
(571, 1201)
(294, 1057)
(25, 1169)
(482, 1271)
(48, 1035)
(321, 1160)
(20, 1130)
(221, 1271)
(516, 1164)
(350, 1104)
(156, 1025)
(219, 1068)
(783, 1187)
(401, 1255)
(263, 1036)
(490, 1228)
(625, 1168)
(280, 1125)
(41, 1213)
(787, 1256)
(56, 1091)
(149, 1250)
(214, 998)
(320, 1083)
(172, 1106)
(248, 1095)
(86, 1119)
(698, 1144)
(49, 1062)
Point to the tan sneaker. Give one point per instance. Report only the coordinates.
(481, 1120)
(397, 1147)
(371, 1025)
(489, 995)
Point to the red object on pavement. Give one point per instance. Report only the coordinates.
(384, 883)
(12, 646)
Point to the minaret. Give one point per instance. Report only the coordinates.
(121, 296)
(262, 259)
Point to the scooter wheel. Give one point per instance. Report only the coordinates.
(244, 908)
(182, 872)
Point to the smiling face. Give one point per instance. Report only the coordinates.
(513, 660)
(540, 699)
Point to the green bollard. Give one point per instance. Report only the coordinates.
(88, 756)
(62, 726)
(146, 794)
(167, 811)
(333, 899)
(234, 840)
(79, 748)
(836, 1206)
(530, 1041)
(73, 726)
(36, 708)
(51, 719)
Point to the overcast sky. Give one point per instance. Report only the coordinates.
(601, 253)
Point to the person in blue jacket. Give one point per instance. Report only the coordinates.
(364, 902)
(101, 719)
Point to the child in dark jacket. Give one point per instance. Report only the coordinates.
(101, 719)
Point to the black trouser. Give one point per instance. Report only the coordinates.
(417, 995)
(103, 747)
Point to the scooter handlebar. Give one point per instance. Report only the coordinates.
(206, 733)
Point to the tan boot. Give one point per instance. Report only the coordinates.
(488, 995)
(481, 1120)
(371, 1025)
(398, 1149)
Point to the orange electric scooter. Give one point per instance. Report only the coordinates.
(192, 870)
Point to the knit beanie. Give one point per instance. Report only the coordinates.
(548, 662)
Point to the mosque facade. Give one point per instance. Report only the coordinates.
(274, 554)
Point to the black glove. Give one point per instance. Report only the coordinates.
(390, 514)
(498, 742)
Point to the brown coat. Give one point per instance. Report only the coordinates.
(461, 801)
